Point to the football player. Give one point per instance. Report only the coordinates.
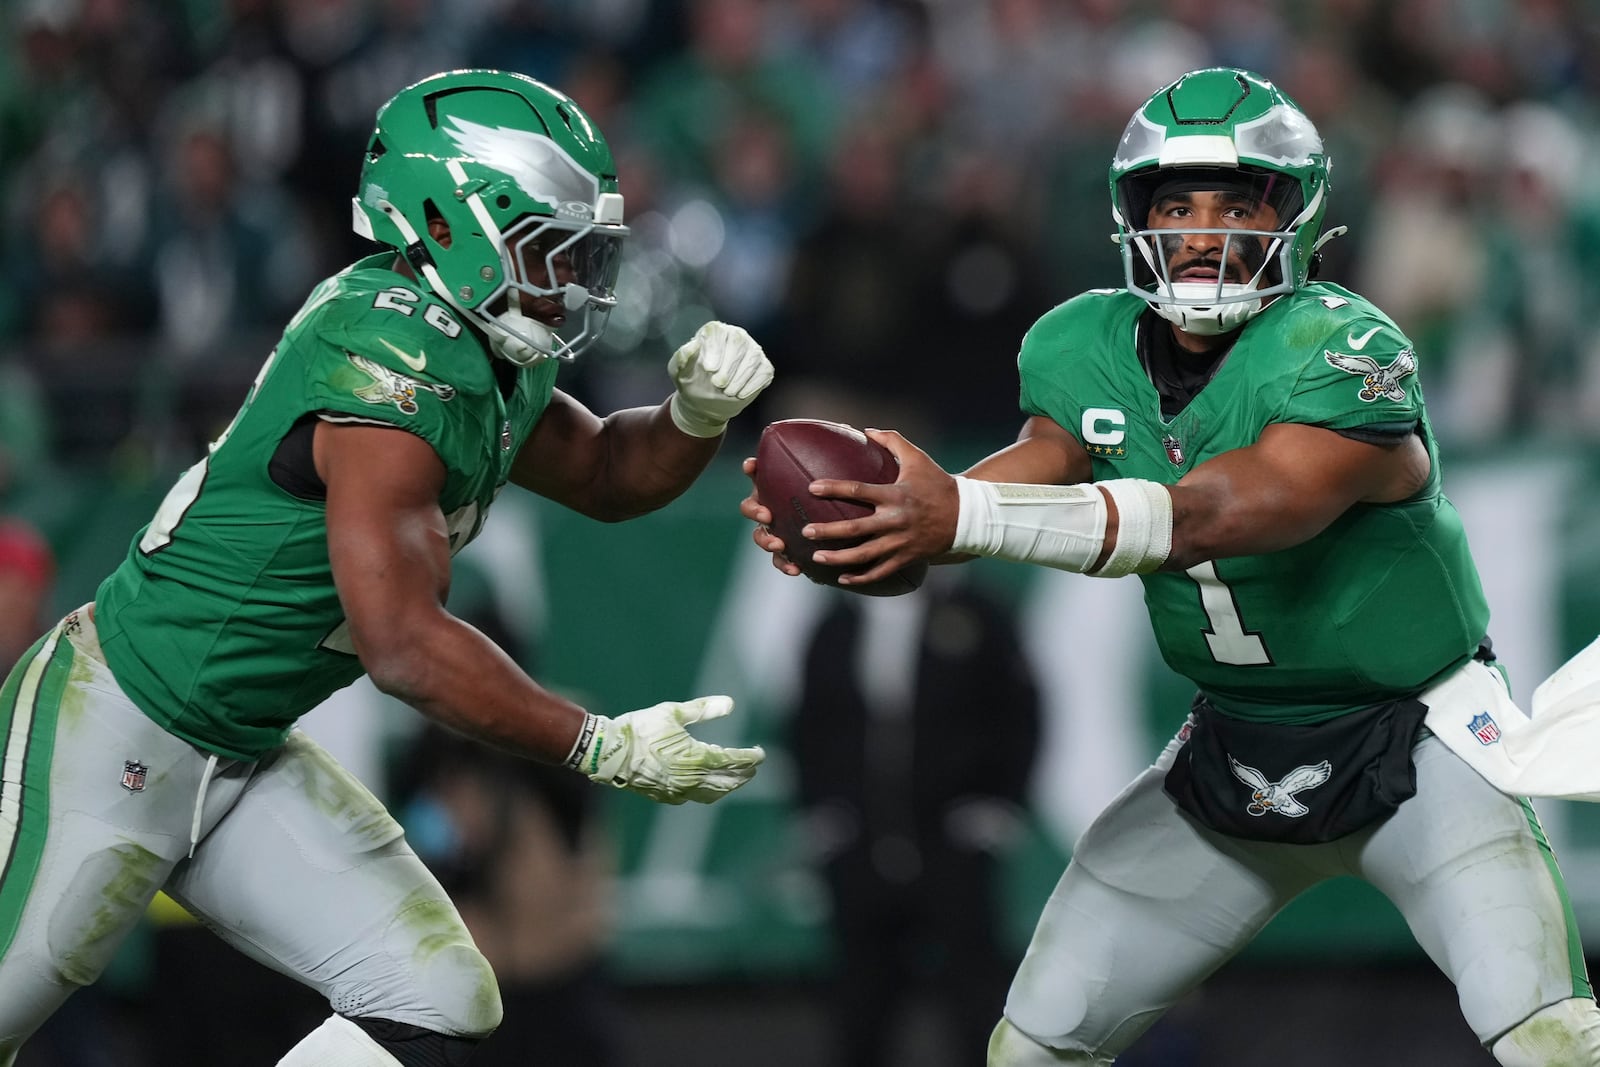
(149, 739)
(1254, 445)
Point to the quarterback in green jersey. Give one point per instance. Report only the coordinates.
(149, 738)
(1254, 445)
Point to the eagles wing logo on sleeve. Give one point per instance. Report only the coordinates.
(1376, 381)
(1268, 796)
(392, 387)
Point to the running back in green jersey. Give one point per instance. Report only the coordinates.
(1372, 608)
(223, 623)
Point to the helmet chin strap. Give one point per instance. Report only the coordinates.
(504, 331)
(1210, 320)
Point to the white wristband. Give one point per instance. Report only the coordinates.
(692, 422)
(1144, 527)
(1064, 526)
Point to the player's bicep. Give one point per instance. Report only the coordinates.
(1285, 489)
(563, 456)
(387, 540)
(1043, 454)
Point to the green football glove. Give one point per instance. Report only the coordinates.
(651, 753)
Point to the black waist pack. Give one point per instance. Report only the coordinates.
(1300, 785)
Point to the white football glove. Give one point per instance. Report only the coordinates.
(650, 752)
(717, 373)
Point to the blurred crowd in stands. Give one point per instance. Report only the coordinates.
(886, 192)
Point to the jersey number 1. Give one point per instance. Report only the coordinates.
(1229, 641)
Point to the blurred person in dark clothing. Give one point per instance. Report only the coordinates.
(982, 279)
(232, 253)
(855, 288)
(67, 286)
(891, 310)
(913, 735)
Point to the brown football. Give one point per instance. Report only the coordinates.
(791, 455)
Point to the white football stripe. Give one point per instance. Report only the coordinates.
(17, 747)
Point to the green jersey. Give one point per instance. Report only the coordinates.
(223, 623)
(1370, 609)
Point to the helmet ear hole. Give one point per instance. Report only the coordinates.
(502, 201)
(432, 214)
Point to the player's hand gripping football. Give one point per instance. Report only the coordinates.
(753, 509)
(913, 518)
(652, 753)
(717, 373)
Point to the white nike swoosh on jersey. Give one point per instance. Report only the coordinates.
(419, 362)
(1357, 343)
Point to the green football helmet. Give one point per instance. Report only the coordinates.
(528, 188)
(1220, 129)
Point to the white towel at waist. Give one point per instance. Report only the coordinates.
(1552, 752)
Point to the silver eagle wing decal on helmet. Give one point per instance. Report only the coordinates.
(536, 163)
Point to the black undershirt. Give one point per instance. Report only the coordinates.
(1177, 373)
(292, 467)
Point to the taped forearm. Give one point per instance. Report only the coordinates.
(1064, 526)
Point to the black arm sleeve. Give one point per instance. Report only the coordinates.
(1382, 433)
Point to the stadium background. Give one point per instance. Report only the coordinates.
(885, 193)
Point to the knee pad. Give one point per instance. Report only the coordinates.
(460, 986)
(1565, 1034)
(1010, 1047)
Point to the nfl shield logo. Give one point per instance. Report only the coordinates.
(133, 775)
(1174, 449)
(1484, 729)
